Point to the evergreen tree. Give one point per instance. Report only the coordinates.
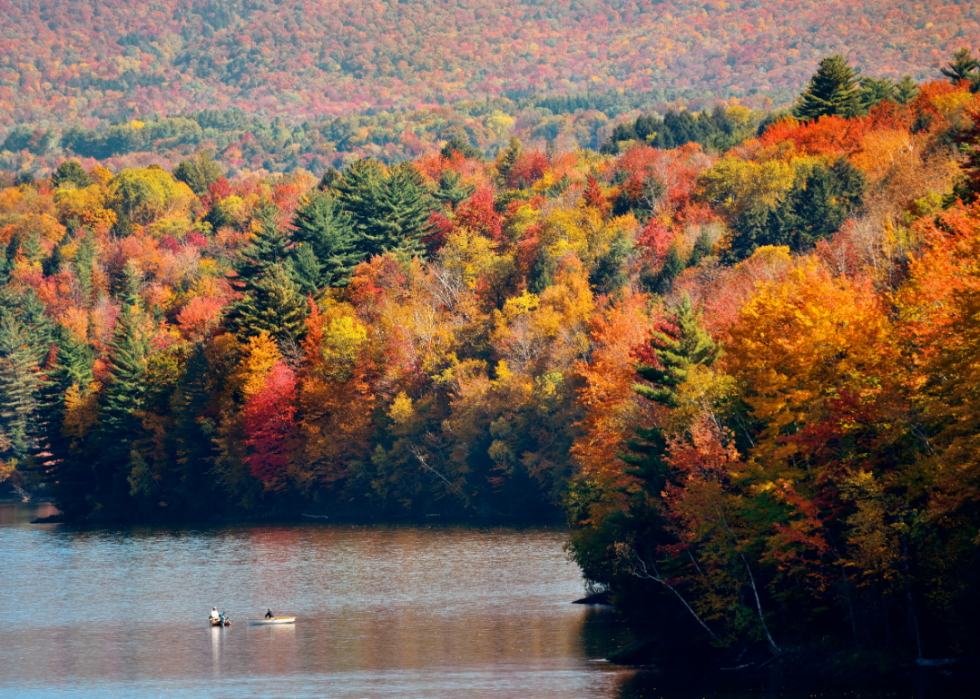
(450, 192)
(326, 255)
(269, 248)
(703, 247)
(389, 213)
(963, 67)
(272, 303)
(20, 379)
(125, 388)
(193, 447)
(71, 172)
(26, 306)
(198, 174)
(832, 91)
(874, 91)
(507, 158)
(906, 90)
(680, 345)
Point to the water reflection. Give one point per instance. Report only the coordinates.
(385, 610)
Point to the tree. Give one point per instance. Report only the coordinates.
(326, 254)
(389, 211)
(832, 91)
(71, 172)
(199, 174)
(20, 380)
(875, 91)
(963, 67)
(272, 304)
(458, 145)
(906, 90)
(507, 159)
(450, 191)
(270, 247)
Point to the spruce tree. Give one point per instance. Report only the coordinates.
(507, 159)
(874, 91)
(832, 91)
(125, 388)
(269, 248)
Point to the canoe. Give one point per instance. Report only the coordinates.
(217, 622)
(271, 622)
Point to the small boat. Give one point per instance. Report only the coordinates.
(218, 622)
(271, 622)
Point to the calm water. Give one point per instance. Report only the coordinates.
(383, 611)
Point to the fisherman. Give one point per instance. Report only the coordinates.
(269, 614)
(214, 613)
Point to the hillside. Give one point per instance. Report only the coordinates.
(85, 62)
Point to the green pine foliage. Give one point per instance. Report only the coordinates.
(20, 381)
(326, 252)
(273, 303)
(963, 67)
(389, 211)
(450, 192)
(833, 90)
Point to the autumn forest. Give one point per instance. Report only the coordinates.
(732, 342)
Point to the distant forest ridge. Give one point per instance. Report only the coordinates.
(86, 63)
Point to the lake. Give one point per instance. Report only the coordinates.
(382, 611)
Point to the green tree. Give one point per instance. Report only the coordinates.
(272, 303)
(832, 90)
(507, 158)
(389, 211)
(450, 191)
(71, 171)
(874, 91)
(199, 174)
(906, 90)
(269, 248)
(963, 67)
(457, 144)
(20, 379)
(326, 254)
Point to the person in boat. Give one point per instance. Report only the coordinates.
(215, 616)
(269, 614)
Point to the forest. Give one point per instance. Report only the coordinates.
(740, 363)
(276, 85)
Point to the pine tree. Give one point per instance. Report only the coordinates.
(389, 213)
(269, 248)
(906, 90)
(450, 192)
(326, 255)
(506, 160)
(684, 343)
(963, 67)
(125, 389)
(20, 379)
(457, 144)
(832, 91)
(874, 91)
(273, 303)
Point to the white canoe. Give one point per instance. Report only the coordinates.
(271, 622)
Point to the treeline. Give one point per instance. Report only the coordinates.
(746, 379)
